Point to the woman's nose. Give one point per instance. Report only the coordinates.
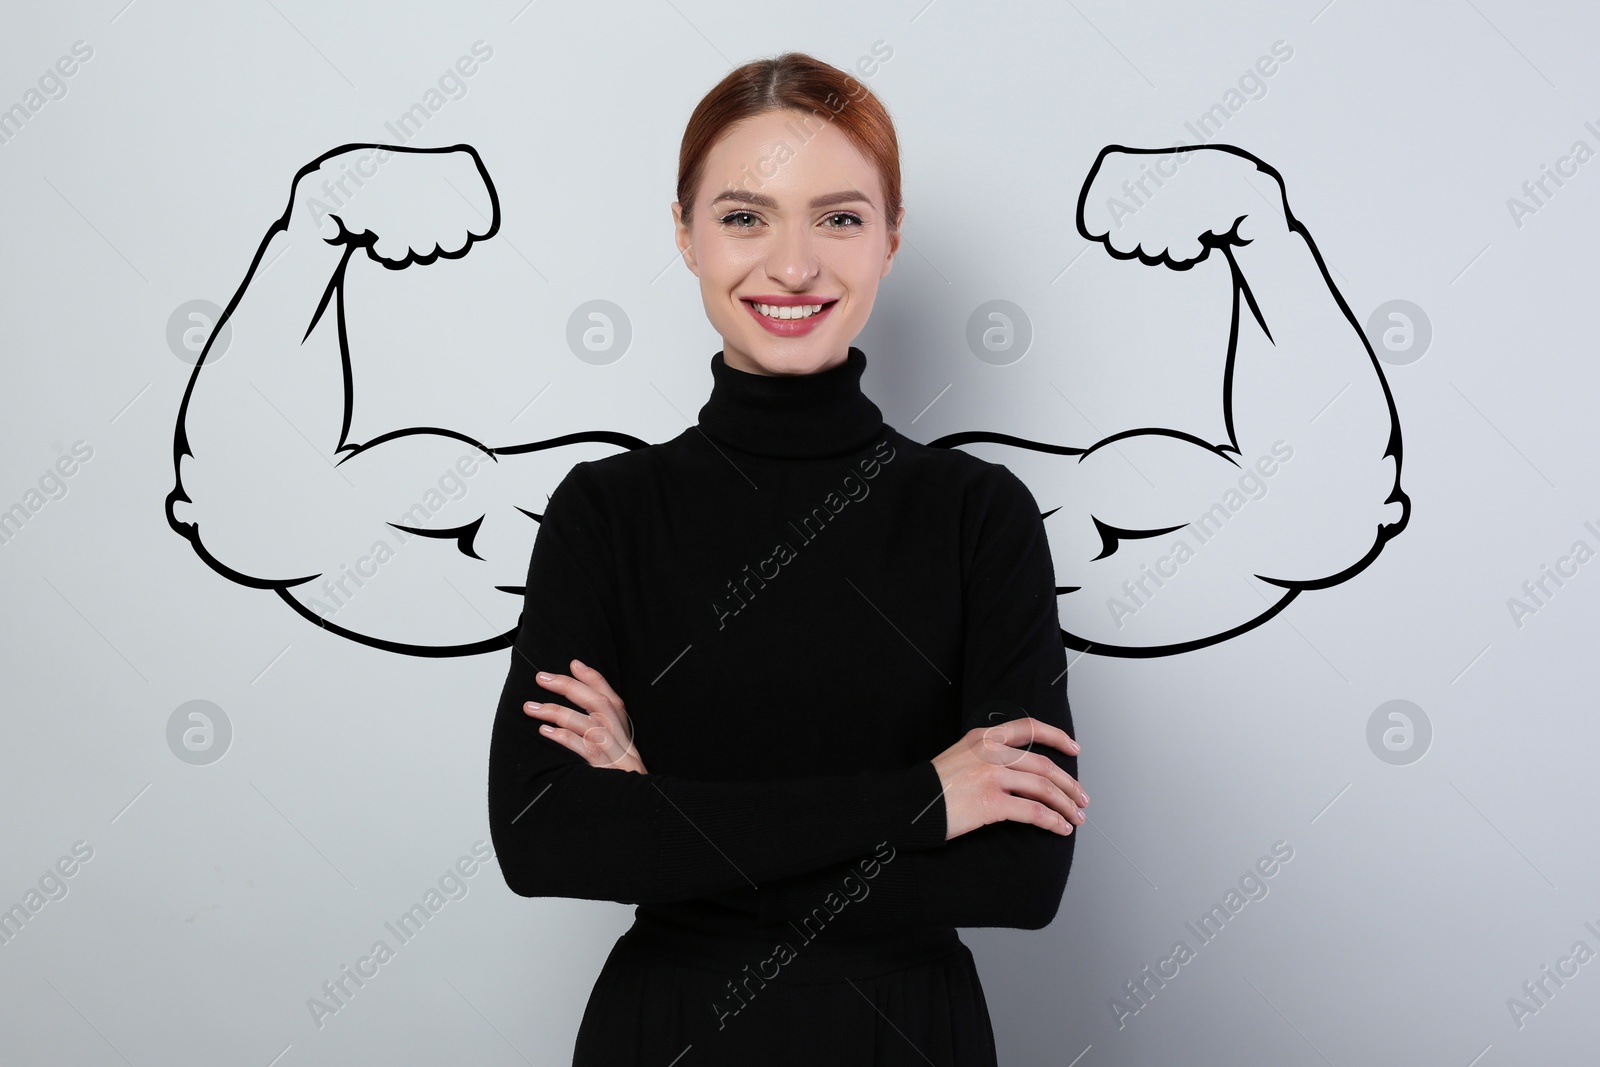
(793, 261)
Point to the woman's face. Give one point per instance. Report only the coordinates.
(789, 215)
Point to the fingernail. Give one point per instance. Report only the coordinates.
(545, 676)
(580, 662)
(532, 705)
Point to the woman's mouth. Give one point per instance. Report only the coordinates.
(789, 320)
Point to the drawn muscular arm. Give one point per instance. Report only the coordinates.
(1164, 541)
(410, 540)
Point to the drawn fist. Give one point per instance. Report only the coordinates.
(1172, 206)
(404, 205)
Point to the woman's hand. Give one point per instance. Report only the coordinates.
(987, 780)
(603, 736)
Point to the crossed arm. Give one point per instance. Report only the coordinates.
(564, 826)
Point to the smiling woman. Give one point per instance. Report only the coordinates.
(799, 255)
(900, 692)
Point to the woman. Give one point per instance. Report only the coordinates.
(838, 647)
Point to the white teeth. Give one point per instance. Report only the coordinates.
(798, 311)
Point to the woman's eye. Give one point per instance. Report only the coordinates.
(727, 219)
(850, 216)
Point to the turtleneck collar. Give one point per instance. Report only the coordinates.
(791, 416)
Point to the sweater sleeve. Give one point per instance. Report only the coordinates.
(1005, 873)
(561, 827)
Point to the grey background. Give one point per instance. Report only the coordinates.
(219, 897)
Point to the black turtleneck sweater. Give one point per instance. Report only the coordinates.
(800, 608)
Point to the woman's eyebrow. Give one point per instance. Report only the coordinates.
(847, 196)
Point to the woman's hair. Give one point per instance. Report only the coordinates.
(800, 82)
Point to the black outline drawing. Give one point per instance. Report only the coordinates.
(1110, 536)
(334, 295)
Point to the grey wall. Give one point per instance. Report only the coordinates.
(214, 886)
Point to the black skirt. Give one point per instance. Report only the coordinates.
(675, 997)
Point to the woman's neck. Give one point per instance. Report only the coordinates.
(793, 416)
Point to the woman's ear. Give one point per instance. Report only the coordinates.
(682, 236)
(893, 244)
